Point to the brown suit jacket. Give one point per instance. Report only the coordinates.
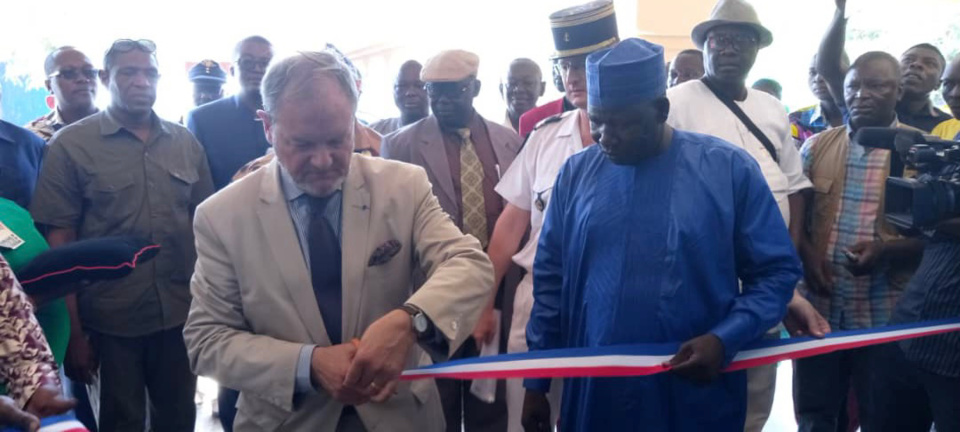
(422, 144)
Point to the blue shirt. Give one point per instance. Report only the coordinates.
(21, 153)
(230, 133)
(298, 203)
(656, 253)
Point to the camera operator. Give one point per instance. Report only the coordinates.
(918, 380)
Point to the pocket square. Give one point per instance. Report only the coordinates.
(384, 253)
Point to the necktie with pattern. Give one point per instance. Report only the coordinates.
(471, 189)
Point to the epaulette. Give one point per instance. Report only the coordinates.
(552, 119)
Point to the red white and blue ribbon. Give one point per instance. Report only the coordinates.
(63, 423)
(648, 359)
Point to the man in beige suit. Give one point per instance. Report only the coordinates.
(303, 296)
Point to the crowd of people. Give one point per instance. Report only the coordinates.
(308, 257)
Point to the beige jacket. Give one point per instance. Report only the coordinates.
(254, 307)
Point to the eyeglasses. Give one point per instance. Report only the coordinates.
(72, 74)
(127, 45)
(449, 89)
(738, 42)
(252, 64)
(522, 84)
(402, 87)
(565, 65)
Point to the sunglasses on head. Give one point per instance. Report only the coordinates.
(127, 45)
(72, 74)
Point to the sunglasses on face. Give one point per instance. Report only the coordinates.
(127, 45)
(450, 89)
(738, 42)
(72, 74)
(251, 64)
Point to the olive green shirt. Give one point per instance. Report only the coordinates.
(102, 180)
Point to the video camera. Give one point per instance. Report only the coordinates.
(933, 195)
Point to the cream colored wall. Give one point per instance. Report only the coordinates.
(669, 23)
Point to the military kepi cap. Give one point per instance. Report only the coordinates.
(583, 29)
(629, 73)
(450, 66)
(207, 71)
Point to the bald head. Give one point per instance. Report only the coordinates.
(522, 87)
(951, 86)
(252, 56)
(247, 41)
(409, 94)
(686, 66)
(74, 84)
(409, 68)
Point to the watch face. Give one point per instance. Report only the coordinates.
(420, 323)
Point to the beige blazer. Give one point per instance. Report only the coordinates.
(254, 307)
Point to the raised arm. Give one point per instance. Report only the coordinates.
(830, 55)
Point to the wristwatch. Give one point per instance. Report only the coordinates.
(418, 319)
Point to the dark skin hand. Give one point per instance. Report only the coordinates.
(536, 412)
(10, 415)
(699, 359)
(867, 255)
(818, 273)
(48, 401)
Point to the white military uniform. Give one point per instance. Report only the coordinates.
(528, 184)
(694, 108)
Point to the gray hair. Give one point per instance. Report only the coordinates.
(291, 78)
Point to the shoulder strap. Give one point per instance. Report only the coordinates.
(767, 144)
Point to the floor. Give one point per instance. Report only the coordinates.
(781, 419)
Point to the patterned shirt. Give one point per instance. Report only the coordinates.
(864, 301)
(47, 125)
(807, 122)
(26, 362)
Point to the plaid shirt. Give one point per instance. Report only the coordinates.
(857, 302)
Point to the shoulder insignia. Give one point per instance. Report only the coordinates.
(552, 119)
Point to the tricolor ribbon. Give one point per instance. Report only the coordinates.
(62, 423)
(648, 359)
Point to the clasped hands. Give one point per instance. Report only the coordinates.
(365, 370)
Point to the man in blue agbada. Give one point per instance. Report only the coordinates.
(655, 236)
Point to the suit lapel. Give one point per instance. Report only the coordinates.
(355, 224)
(502, 148)
(434, 155)
(283, 242)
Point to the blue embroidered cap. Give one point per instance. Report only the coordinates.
(628, 73)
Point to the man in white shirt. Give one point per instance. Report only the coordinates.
(731, 39)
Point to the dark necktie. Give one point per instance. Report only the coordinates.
(325, 269)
